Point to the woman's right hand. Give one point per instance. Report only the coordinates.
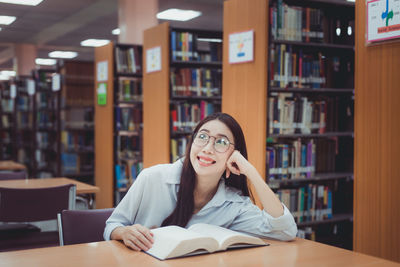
(136, 237)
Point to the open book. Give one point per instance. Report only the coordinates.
(175, 241)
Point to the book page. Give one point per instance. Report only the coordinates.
(226, 237)
(175, 241)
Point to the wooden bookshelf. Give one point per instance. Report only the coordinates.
(246, 88)
(377, 145)
(7, 124)
(104, 130)
(160, 98)
(77, 126)
(156, 137)
(120, 118)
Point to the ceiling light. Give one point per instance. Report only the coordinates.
(94, 42)
(116, 31)
(211, 40)
(45, 61)
(178, 14)
(22, 2)
(7, 20)
(63, 54)
(351, 0)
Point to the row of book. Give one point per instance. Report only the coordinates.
(294, 23)
(72, 163)
(23, 103)
(310, 203)
(44, 139)
(128, 119)
(301, 158)
(290, 68)
(45, 119)
(6, 121)
(44, 100)
(128, 147)
(76, 140)
(306, 233)
(289, 113)
(183, 46)
(24, 120)
(130, 90)
(178, 147)
(196, 82)
(126, 173)
(305, 24)
(291, 161)
(128, 60)
(185, 116)
(7, 105)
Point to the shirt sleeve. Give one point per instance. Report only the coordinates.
(254, 221)
(125, 213)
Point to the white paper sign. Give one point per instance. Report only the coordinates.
(241, 47)
(383, 20)
(153, 59)
(30, 86)
(102, 71)
(55, 82)
(13, 91)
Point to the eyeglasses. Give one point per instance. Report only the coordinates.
(221, 144)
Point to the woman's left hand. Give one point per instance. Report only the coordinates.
(237, 164)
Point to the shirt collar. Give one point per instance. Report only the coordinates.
(174, 176)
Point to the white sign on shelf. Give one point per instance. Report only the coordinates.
(55, 82)
(383, 20)
(153, 59)
(13, 91)
(102, 71)
(30, 86)
(241, 47)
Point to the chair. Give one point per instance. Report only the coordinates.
(13, 175)
(82, 226)
(31, 205)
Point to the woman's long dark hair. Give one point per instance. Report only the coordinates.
(185, 202)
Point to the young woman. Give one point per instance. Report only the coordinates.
(208, 185)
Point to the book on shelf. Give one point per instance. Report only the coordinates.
(174, 241)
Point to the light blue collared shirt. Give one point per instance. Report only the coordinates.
(153, 196)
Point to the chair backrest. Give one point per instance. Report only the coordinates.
(13, 175)
(35, 204)
(82, 226)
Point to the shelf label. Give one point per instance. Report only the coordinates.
(153, 59)
(30, 86)
(55, 82)
(102, 94)
(383, 20)
(241, 47)
(13, 91)
(102, 71)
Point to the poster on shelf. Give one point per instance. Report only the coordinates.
(55, 82)
(383, 20)
(30, 86)
(101, 94)
(13, 91)
(153, 59)
(102, 71)
(241, 47)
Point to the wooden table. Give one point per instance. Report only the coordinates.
(300, 252)
(11, 165)
(81, 188)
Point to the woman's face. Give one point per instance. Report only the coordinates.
(205, 160)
